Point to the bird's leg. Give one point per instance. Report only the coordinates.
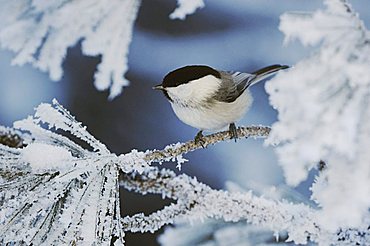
(233, 131)
(199, 138)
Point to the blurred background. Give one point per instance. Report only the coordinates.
(239, 35)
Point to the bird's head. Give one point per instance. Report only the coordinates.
(190, 83)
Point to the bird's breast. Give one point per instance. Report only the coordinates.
(213, 115)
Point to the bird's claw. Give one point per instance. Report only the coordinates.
(199, 139)
(233, 131)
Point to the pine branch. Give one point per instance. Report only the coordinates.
(197, 201)
(10, 138)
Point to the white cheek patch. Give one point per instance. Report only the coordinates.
(184, 91)
(196, 90)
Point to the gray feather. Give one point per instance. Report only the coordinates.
(235, 83)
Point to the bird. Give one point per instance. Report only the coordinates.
(209, 99)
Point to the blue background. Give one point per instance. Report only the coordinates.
(229, 35)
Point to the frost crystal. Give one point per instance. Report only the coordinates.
(324, 110)
(55, 192)
(39, 32)
(218, 232)
(186, 7)
(51, 158)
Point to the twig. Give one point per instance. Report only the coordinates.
(178, 149)
(197, 201)
(10, 138)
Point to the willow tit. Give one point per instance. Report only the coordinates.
(209, 99)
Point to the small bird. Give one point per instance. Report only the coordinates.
(210, 99)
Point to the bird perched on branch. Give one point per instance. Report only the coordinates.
(210, 99)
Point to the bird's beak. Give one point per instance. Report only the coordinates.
(158, 87)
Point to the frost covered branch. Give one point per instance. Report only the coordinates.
(327, 114)
(40, 32)
(10, 138)
(197, 202)
(173, 151)
(54, 191)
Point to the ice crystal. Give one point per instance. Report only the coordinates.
(70, 194)
(218, 232)
(52, 157)
(186, 7)
(39, 32)
(54, 191)
(324, 109)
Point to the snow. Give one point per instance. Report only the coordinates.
(40, 32)
(43, 157)
(55, 191)
(66, 190)
(186, 7)
(331, 109)
(66, 196)
(42, 36)
(55, 116)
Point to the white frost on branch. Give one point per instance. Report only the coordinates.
(39, 32)
(197, 202)
(220, 233)
(53, 191)
(186, 7)
(52, 157)
(324, 112)
(77, 201)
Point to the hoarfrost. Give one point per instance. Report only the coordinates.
(51, 158)
(186, 7)
(214, 232)
(324, 109)
(72, 195)
(55, 192)
(40, 32)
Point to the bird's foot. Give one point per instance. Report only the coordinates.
(199, 139)
(233, 131)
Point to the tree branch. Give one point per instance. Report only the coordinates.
(175, 150)
(197, 201)
(10, 138)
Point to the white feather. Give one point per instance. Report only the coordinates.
(191, 103)
(194, 92)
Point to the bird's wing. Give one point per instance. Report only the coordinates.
(233, 85)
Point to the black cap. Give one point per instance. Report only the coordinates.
(188, 73)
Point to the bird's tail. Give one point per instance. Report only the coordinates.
(265, 72)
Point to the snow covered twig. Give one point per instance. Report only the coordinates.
(70, 194)
(10, 138)
(51, 186)
(40, 32)
(174, 150)
(197, 202)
